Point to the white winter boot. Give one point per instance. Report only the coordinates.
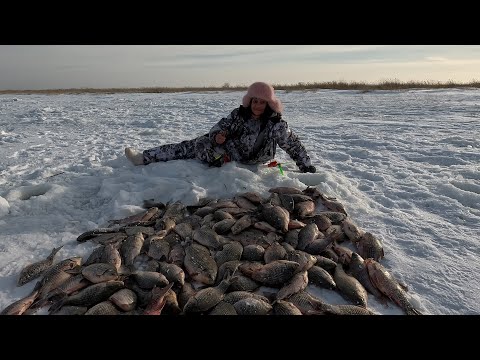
(135, 156)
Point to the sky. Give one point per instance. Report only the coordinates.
(35, 67)
(405, 164)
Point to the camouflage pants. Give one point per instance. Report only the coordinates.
(200, 148)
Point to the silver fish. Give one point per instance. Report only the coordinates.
(243, 283)
(305, 302)
(177, 255)
(369, 246)
(185, 293)
(328, 309)
(359, 271)
(230, 251)
(159, 248)
(220, 215)
(100, 272)
(176, 211)
(184, 230)
(276, 216)
(34, 270)
(244, 203)
(172, 272)
(253, 253)
(306, 235)
(207, 237)
(233, 296)
(112, 256)
(350, 287)
(389, 286)
(253, 196)
(223, 226)
(103, 308)
(321, 277)
(199, 264)
(70, 310)
(297, 283)
(223, 308)
(20, 306)
(204, 211)
(171, 303)
(158, 300)
(282, 307)
(91, 295)
(252, 306)
(352, 230)
(131, 248)
(275, 273)
(241, 224)
(274, 252)
(206, 299)
(323, 222)
(304, 209)
(285, 190)
(125, 299)
(149, 279)
(56, 275)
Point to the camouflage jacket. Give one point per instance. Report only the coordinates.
(242, 132)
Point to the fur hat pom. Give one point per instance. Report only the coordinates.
(265, 92)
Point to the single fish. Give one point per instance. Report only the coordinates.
(297, 283)
(282, 307)
(274, 252)
(199, 264)
(90, 295)
(369, 246)
(275, 273)
(388, 285)
(158, 300)
(207, 298)
(223, 308)
(252, 306)
(350, 287)
(36, 269)
(20, 306)
(230, 251)
(103, 308)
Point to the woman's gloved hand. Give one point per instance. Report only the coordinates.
(307, 169)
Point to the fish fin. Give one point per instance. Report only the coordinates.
(403, 286)
(414, 311)
(314, 312)
(54, 252)
(56, 305)
(57, 297)
(38, 285)
(382, 299)
(40, 303)
(76, 270)
(125, 270)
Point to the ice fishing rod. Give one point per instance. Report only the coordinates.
(274, 163)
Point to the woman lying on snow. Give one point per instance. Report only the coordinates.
(249, 135)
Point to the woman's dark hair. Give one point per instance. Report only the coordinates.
(267, 113)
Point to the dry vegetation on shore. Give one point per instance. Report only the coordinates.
(333, 85)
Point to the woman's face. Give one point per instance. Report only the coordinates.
(258, 106)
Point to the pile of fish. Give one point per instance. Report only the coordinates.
(247, 255)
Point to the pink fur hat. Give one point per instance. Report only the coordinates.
(265, 92)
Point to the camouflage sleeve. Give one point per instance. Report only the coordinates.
(291, 144)
(225, 124)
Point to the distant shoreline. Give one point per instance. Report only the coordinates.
(334, 85)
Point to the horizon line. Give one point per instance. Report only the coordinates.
(337, 85)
